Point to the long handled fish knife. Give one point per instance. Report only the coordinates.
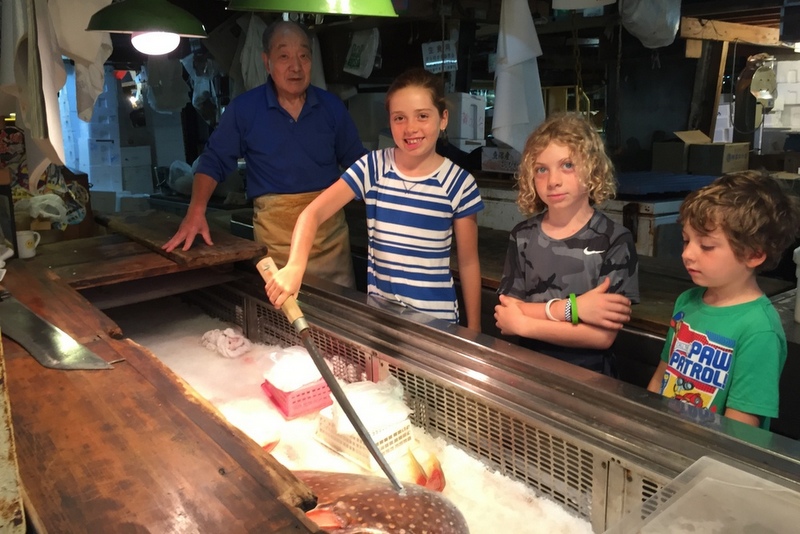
(48, 344)
(267, 268)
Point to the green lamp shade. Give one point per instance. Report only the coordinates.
(370, 8)
(133, 16)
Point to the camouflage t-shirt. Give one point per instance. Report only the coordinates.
(539, 268)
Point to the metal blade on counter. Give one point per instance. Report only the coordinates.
(48, 344)
(266, 268)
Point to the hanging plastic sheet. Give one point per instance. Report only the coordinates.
(519, 107)
(654, 22)
(167, 92)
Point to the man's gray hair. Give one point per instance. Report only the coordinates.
(266, 39)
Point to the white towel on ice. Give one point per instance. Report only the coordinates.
(228, 342)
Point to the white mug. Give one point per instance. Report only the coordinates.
(27, 240)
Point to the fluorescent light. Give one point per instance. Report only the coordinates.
(146, 17)
(155, 43)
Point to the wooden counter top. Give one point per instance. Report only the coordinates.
(132, 448)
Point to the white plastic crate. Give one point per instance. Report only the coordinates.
(392, 441)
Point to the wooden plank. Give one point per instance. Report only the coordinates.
(152, 288)
(12, 516)
(85, 250)
(154, 228)
(131, 449)
(102, 260)
(707, 86)
(715, 30)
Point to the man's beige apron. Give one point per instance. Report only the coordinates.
(274, 217)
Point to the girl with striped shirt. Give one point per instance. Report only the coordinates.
(416, 202)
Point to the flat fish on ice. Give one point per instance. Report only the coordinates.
(350, 503)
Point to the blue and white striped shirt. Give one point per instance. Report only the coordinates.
(410, 230)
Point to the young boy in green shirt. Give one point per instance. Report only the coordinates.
(726, 348)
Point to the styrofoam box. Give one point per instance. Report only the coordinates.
(137, 179)
(467, 116)
(134, 156)
(103, 201)
(106, 177)
(500, 159)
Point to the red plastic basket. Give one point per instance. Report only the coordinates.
(310, 398)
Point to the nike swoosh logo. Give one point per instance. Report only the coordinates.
(590, 252)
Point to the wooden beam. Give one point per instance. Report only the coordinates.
(715, 30)
(694, 48)
(707, 87)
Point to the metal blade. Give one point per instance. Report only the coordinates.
(48, 344)
(266, 268)
(344, 402)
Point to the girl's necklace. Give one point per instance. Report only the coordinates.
(406, 187)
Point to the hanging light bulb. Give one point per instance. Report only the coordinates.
(155, 25)
(155, 43)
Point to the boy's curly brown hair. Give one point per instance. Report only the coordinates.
(587, 151)
(755, 212)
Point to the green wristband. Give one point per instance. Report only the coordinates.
(574, 305)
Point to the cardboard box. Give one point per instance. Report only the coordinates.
(467, 116)
(646, 220)
(673, 155)
(497, 159)
(791, 163)
(718, 158)
(695, 153)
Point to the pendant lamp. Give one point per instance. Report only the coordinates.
(370, 8)
(156, 26)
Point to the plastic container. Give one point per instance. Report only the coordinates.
(392, 441)
(796, 258)
(717, 496)
(308, 399)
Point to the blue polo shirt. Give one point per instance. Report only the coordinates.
(283, 155)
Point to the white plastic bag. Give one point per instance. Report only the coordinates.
(180, 177)
(48, 206)
(361, 57)
(654, 22)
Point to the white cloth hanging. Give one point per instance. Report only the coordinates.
(317, 72)
(519, 107)
(167, 92)
(39, 73)
(253, 71)
(89, 50)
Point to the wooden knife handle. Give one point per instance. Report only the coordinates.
(266, 268)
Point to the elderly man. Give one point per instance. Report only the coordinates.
(294, 138)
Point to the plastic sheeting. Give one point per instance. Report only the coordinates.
(654, 22)
(519, 107)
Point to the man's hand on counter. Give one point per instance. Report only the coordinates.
(193, 223)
